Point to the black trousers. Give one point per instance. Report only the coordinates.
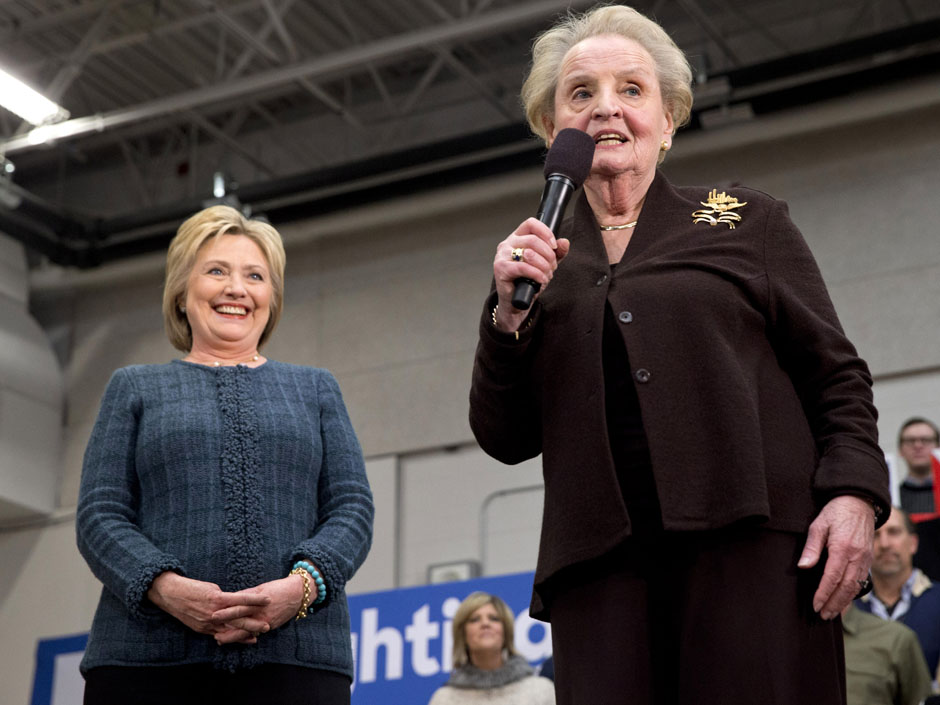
(706, 618)
(271, 684)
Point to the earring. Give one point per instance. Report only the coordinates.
(182, 309)
(664, 146)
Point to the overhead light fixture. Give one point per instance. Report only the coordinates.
(41, 134)
(30, 105)
(218, 184)
(223, 194)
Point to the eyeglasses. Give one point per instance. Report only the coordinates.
(914, 440)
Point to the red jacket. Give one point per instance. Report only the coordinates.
(754, 402)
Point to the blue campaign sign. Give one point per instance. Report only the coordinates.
(56, 680)
(401, 642)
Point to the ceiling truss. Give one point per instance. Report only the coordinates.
(273, 93)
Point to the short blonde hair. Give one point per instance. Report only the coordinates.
(471, 604)
(214, 222)
(549, 50)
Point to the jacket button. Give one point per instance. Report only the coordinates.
(625, 316)
(601, 280)
(642, 375)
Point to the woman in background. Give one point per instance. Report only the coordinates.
(224, 502)
(487, 668)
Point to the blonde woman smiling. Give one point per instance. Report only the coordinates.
(487, 668)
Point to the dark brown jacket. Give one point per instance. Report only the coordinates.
(755, 404)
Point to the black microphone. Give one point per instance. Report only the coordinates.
(566, 167)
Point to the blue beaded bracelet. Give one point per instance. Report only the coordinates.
(317, 578)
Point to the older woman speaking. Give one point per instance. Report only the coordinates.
(712, 473)
(224, 502)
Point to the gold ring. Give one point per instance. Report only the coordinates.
(516, 254)
(864, 586)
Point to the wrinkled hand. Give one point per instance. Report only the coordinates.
(195, 603)
(846, 528)
(540, 258)
(283, 599)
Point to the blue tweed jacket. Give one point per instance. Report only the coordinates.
(227, 475)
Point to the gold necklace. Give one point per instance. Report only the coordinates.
(618, 227)
(216, 363)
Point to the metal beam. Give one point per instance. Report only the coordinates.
(230, 142)
(908, 13)
(442, 57)
(741, 10)
(423, 83)
(476, 83)
(136, 177)
(382, 50)
(353, 30)
(44, 23)
(275, 19)
(77, 58)
(263, 34)
(175, 139)
(330, 102)
(236, 28)
(249, 52)
(70, 15)
(292, 149)
(436, 9)
(863, 9)
(714, 33)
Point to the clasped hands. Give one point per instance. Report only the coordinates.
(230, 617)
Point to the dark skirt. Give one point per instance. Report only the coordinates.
(201, 684)
(712, 618)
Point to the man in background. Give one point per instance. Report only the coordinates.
(883, 661)
(917, 440)
(902, 593)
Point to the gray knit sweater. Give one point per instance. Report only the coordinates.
(514, 683)
(227, 475)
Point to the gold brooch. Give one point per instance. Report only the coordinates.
(719, 209)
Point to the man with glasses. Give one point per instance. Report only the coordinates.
(917, 440)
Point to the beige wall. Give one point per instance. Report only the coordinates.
(388, 297)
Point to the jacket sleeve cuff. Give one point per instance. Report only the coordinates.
(498, 345)
(852, 470)
(136, 596)
(333, 579)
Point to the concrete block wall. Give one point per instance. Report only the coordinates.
(31, 394)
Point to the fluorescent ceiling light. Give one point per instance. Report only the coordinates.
(19, 98)
(41, 134)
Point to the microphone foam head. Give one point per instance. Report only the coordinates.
(571, 155)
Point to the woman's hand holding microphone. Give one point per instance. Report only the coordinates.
(530, 252)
